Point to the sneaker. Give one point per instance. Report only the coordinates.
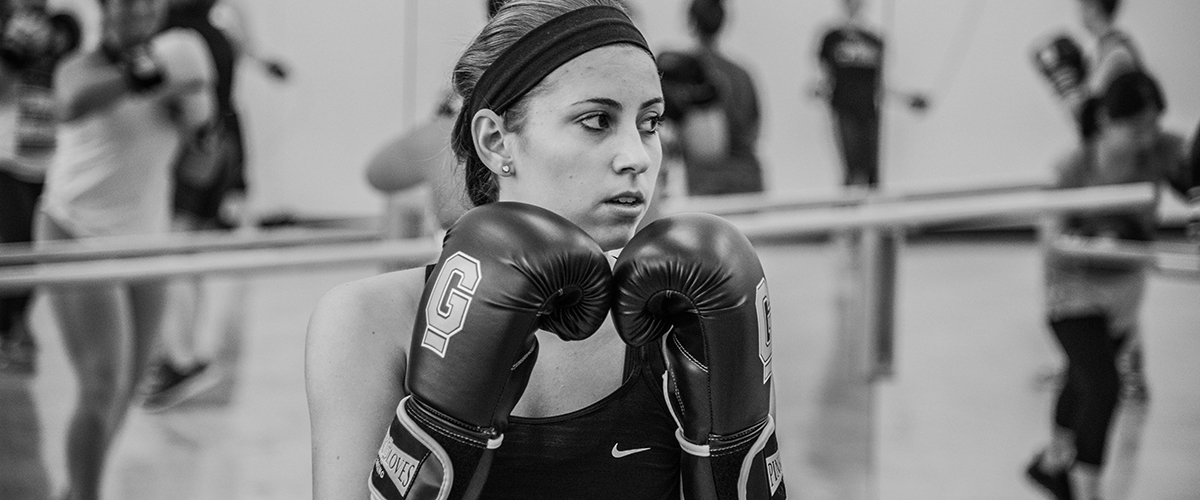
(170, 386)
(18, 354)
(1058, 485)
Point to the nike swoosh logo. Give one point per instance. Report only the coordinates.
(625, 453)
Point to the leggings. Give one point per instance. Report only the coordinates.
(1088, 399)
(858, 138)
(18, 201)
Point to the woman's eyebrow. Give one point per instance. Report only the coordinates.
(603, 101)
(652, 102)
(612, 103)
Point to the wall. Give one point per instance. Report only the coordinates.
(993, 119)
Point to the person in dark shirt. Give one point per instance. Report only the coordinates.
(714, 110)
(851, 56)
(203, 203)
(32, 43)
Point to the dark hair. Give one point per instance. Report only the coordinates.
(1131, 94)
(1109, 7)
(513, 20)
(707, 16)
(493, 6)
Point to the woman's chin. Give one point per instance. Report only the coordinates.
(612, 238)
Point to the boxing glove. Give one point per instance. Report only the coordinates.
(26, 38)
(1062, 63)
(32, 35)
(693, 282)
(506, 270)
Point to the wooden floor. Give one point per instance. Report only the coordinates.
(960, 417)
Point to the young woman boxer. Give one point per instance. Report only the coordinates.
(498, 372)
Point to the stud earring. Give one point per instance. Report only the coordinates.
(505, 169)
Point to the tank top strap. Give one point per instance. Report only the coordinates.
(644, 360)
(633, 362)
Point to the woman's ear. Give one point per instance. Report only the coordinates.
(487, 131)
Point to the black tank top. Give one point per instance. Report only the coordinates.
(622, 446)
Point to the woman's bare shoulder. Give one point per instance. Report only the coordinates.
(371, 300)
(367, 314)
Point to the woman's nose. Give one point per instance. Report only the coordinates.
(632, 155)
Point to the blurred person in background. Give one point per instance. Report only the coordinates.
(126, 107)
(713, 110)
(32, 42)
(851, 56)
(217, 201)
(33, 39)
(1093, 303)
(422, 157)
(1079, 80)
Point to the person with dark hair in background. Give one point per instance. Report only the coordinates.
(32, 42)
(851, 56)
(521, 365)
(1093, 304)
(200, 204)
(1080, 83)
(181, 370)
(126, 107)
(713, 109)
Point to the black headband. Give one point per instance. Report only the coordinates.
(535, 55)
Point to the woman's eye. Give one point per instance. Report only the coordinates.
(651, 123)
(596, 122)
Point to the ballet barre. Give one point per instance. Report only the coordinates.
(1025, 205)
(174, 243)
(413, 252)
(752, 203)
(404, 253)
(1181, 260)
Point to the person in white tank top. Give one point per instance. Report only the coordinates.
(125, 107)
(112, 172)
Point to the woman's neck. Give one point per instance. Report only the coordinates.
(1101, 29)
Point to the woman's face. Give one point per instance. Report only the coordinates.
(589, 148)
(130, 22)
(1092, 16)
